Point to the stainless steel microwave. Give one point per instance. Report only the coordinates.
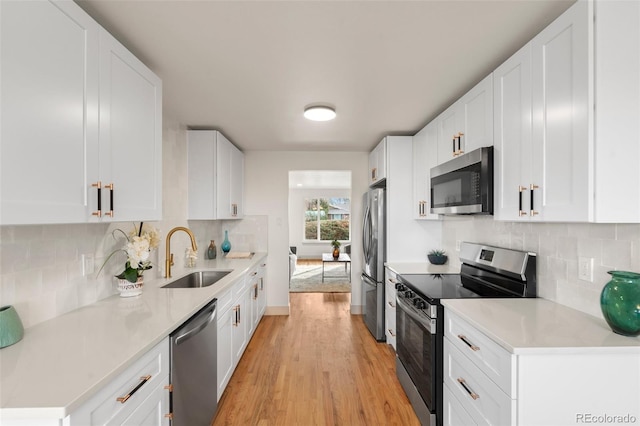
(464, 185)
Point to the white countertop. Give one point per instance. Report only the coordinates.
(423, 268)
(536, 326)
(60, 363)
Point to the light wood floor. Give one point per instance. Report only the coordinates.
(318, 366)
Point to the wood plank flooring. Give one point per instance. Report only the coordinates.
(317, 366)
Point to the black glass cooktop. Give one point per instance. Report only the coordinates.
(434, 287)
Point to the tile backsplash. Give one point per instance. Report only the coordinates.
(559, 247)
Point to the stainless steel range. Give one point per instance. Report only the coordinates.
(486, 272)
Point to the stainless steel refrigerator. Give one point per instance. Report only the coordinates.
(374, 252)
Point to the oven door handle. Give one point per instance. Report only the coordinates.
(428, 325)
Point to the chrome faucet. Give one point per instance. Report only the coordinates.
(169, 255)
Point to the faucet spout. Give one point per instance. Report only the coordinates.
(169, 255)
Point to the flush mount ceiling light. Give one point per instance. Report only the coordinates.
(319, 113)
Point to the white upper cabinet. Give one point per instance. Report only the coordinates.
(512, 150)
(559, 187)
(566, 120)
(81, 116)
(49, 139)
(378, 163)
(425, 156)
(130, 134)
(216, 176)
(468, 123)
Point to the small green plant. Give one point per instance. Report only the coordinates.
(437, 253)
(336, 244)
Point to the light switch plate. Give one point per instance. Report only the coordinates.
(585, 268)
(88, 264)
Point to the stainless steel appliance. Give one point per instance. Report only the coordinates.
(464, 185)
(486, 272)
(374, 252)
(194, 369)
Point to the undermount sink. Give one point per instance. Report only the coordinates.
(197, 279)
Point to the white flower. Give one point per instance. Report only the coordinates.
(138, 251)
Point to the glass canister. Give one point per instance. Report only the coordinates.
(620, 302)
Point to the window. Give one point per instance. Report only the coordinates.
(326, 219)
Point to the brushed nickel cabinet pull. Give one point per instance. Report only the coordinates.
(468, 343)
(466, 387)
(143, 380)
(98, 212)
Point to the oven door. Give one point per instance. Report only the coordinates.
(417, 349)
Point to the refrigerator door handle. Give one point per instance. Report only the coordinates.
(366, 233)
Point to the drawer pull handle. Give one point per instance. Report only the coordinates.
(466, 387)
(468, 343)
(169, 416)
(391, 332)
(391, 304)
(143, 380)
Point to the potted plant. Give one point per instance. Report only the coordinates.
(437, 257)
(137, 247)
(336, 248)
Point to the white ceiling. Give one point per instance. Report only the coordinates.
(248, 68)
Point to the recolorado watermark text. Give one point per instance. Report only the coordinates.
(590, 418)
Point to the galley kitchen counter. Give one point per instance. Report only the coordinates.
(406, 268)
(60, 363)
(536, 326)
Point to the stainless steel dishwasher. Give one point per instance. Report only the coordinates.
(194, 369)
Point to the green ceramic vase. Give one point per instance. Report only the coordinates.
(620, 302)
(11, 329)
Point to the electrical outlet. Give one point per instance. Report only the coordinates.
(88, 264)
(585, 268)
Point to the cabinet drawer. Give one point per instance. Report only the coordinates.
(490, 357)
(454, 413)
(104, 407)
(485, 402)
(225, 300)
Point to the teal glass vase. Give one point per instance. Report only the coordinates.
(226, 245)
(620, 303)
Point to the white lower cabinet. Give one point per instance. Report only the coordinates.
(390, 306)
(138, 396)
(485, 384)
(239, 314)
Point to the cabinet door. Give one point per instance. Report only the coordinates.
(223, 176)
(425, 156)
(226, 324)
(378, 163)
(237, 183)
(512, 144)
(240, 326)
(561, 112)
(49, 133)
(201, 159)
(477, 105)
(448, 128)
(130, 134)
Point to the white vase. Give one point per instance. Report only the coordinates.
(129, 289)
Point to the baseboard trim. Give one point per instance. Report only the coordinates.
(356, 309)
(276, 310)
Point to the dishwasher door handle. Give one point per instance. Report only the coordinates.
(198, 326)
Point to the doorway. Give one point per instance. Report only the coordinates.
(319, 219)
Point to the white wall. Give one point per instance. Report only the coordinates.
(267, 193)
(297, 196)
